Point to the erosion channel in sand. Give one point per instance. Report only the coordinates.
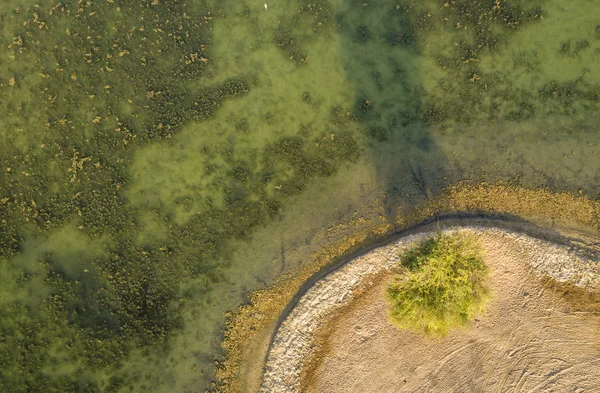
(338, 337)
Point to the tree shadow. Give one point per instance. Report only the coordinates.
(382, 60)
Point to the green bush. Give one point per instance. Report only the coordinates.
(440, 284)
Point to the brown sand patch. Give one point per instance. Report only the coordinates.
(532, 338)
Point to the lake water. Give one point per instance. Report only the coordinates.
(161, 159)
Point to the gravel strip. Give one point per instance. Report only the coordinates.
(294, 340)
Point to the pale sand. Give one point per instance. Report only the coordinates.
(527, 342)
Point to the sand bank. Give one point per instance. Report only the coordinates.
(295, 341)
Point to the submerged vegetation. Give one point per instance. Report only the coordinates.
(143, 141)
(441, 284)
(88, 82)
(96, 267)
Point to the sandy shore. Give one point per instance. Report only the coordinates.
(296, 338)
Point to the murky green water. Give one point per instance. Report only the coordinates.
(160, 159)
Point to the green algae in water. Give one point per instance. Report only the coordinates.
(148, 147)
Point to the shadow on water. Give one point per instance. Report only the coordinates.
(382, 60)
(450, 91)
(411, 92)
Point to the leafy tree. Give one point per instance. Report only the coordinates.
(440, 284)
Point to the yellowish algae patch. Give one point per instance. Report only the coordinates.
(264, 306)
(521, 202)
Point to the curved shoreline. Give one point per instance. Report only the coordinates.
(559, 216)
(293, 337)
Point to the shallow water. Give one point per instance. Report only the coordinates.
(161, 159)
